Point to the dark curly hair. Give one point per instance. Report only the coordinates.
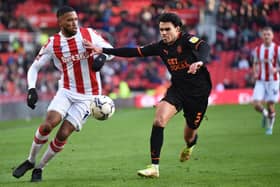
(64, 9)
(171, 17)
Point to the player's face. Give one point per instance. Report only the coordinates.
(68, 23)
(168, 32)
(267, 36)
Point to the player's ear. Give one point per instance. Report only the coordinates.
(178, 29)
(59, 21)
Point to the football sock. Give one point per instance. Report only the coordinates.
(192, 143)
(265, 112)
(156, 166)
(39, 140)
(271, 119)
(54, 147)
(156, 142)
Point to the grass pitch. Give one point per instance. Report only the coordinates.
(232, 151)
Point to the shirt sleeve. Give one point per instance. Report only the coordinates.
(255, 56)
(148, 50)
(201, 48)
(278, 56)
(99, 41)
(42, 58)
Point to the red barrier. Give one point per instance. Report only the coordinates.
(237, 96)
(22, 98)
(45, 20)
(189, 16)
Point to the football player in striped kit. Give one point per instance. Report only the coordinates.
(79, 81)
(266, 72)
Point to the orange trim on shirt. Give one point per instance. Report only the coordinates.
(155, 158)
(139, 51)
(196, 46)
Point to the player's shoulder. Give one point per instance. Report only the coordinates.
(49, 42)
(276, 44)
(190, 39)
(90, 31)
(54, 37)
(159, 43)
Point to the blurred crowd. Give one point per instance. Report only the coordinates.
(237, 23)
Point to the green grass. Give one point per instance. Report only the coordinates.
(232, 151)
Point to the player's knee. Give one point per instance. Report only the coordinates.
(46, 127)
(257, 105)
(160, 121)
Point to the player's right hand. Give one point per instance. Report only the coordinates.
(32, 98)
(98, 63)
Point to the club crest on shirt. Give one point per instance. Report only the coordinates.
(165, 51)
(193, 39)
(179, 49)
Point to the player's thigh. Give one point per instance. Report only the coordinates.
(78, 113)
(194, 109)
(272, 91)
(173, 97)
(164, 112)
(259, 91)
(60, 103)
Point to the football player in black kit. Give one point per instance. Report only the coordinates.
(184, 56)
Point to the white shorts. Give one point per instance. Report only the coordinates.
(266, 91)
(72, 106)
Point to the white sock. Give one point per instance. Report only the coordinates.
(271, 120)
(40, 139)
(54, 147)
(48, 155)
(156, 166)
(265, 112)
(35, 148)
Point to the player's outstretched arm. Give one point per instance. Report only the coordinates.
(88, 45)
(121, 52)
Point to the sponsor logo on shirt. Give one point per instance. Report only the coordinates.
(77, 57)
(176, 65)
(193, 39)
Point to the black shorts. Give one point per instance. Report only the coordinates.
(194, 107)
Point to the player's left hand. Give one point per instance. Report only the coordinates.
(194, 67)
(88, 45)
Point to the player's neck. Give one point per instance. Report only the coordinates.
(67, 35)
(267, 44)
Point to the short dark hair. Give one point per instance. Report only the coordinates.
(171, 17)
(267, 28)
(64, 9)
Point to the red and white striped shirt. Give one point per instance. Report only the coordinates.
(267, 59)
(72, 60)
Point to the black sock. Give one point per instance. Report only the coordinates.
(156, 142)
(190, 144)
